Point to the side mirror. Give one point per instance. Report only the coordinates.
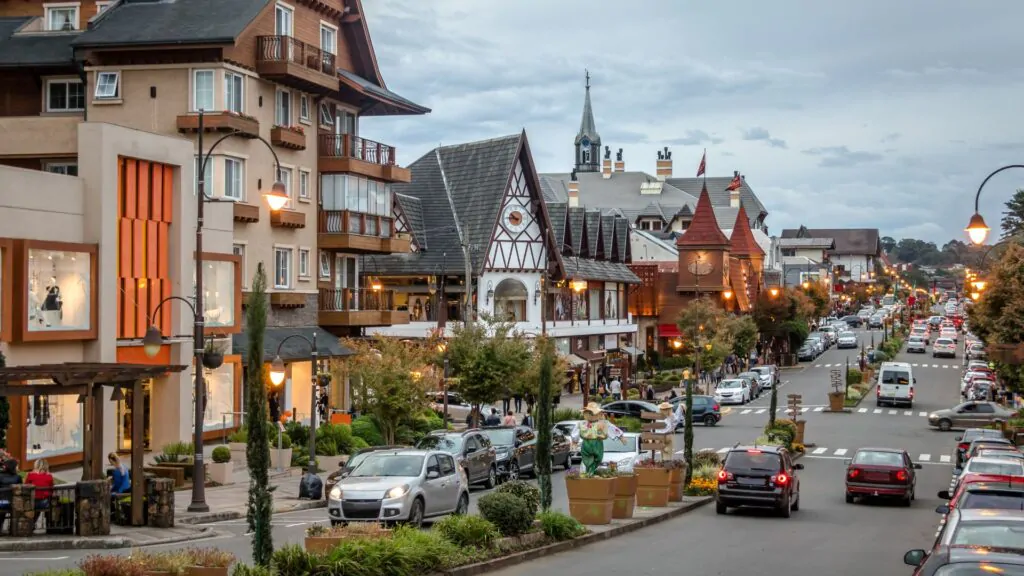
(942, 509)
(433, 474)
(958, 438)
(944, 494)
(918, 467)
(914, 557)
(848, 461)
(798, 466)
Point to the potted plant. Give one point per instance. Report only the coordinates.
(625, 494)
(653, 481)
(591, 498)
(327, 456)
(207, 562)
(238, 440)
(212, 357)
(280, 458)
(221, 470)
(161, 564)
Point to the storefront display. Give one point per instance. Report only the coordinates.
(220, 397)
(124, 418)
(611, 301)
(59, 286)
(219, 293)
(54, 425)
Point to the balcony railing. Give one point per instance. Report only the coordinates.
(347, 222)
(288, 49)
(350, 146)
(356, 300)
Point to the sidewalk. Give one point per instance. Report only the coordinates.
(229, 502)
(120, 537)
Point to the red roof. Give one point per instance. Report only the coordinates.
(742, 242)
(703, 230)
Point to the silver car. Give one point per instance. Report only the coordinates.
(847, 340)
(400, 485)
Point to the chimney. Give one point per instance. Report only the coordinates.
(664, 168)
(574, 190)
(734, 195)
(620, 166)
(606, 164)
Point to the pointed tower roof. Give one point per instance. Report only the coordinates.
(587, 126)
(742, 242)
(703, 230)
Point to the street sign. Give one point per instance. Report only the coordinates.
(837, 381)
(652, 426)
(651, 416)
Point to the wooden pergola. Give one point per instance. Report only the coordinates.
(88, 381)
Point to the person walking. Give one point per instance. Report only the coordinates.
(649, 393)
(510, 419)
(616, 387)
(518, 397)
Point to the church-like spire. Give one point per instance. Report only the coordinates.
(588, 129)
(588, 141)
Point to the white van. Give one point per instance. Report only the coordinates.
(895, 384)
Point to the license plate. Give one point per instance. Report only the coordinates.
(876, 477)
(752, 481)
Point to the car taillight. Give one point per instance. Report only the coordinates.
(902, 476)
(724, 476)
(963, 446)
(911, 393)
(715, 408)
(854, 473)
(780, 479)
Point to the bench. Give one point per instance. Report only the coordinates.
(173, 472)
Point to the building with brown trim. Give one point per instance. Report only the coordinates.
(284, 79)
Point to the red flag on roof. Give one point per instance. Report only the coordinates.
(703, 164)
(735, 184)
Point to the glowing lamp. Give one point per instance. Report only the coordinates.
(977, 230)
(727, 294)
(152, 342)
(277, 198)
(806, 284)
(677, 343)
(975, 295)
(277, 371)
(578, 285)
(774, 292)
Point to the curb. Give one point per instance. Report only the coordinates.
(98, 543)
(593, 537)
(211, 517)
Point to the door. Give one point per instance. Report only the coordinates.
(986, 414)
(451, 489)
(473, 454)
(124, 418)
(527, 441)
(433, 489)
(346, 281)
(283, 27)
(966, 416)
(345, 125)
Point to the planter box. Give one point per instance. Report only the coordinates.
(281, 458)
(591, 499)
(153, 573)
(836, 401)
(652, 486)
(625, 496)
(322, 544)
(237, 447)
(222, 473)
(202, 571)
(675, 492)
(800, 426)
(529, 540)
(331, 463)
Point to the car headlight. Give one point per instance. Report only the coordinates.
(397, 491)
(933, 416)
(502, 454)
(335, 493)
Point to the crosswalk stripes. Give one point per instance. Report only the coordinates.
(922, 414)
(945, 458)
(840, 452)
(917, 365)
(819, 451)
(828, 453)
(762, 411)
(819, 408)
(753, 410)
(925, 457)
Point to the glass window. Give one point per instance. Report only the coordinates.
(304, 107)
(325, 264)
(752, 460)
(327, 114)
(65, 168)
(218, 292)
(303, 184)
(107, 85)
(328, 39)
(282, 268)
(59, 285)
(283, 109)
(54, 425)
(303, 263)
(207, 176)
(611, 301)
(234, 92)
(371, 196)
(594, 303)
(234, 169)
(65, 96)
(872, 458)
(363, 195)
(239, 250)
(220, 397)
(101, 6)
(62, 18)
(384, 199)
(202, 90)
(351, 193)
(285, 176)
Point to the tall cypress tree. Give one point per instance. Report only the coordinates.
(257, 450)
(544, 425)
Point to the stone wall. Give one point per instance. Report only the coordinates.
(160, 502)
(308, 315)
(92, 508)
(23, 510)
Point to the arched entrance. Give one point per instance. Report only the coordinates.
(510, 301)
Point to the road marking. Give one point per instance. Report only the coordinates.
(915, 365)
(840, 452)
(908, 413)
(922, 414)
(819, 450)
(817, 365)
(20, 559)
(945, 458)
(925, 457)
(891, 412)
(819, 408)
(762, 411)
(861, 410)
(945, 365)
(746, 412)
(722, 450)
(824, 457)
(935, 365)
(805, 409)
(877, 411)
(296, 524)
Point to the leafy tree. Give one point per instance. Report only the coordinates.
(888, 244)
(819, 298)
(391, 378)
(530, 382)
(742, 333)
(1013, 216)
(257, 450)
(488, 358)
(544, 392)
(998, 316)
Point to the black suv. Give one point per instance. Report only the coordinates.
(515, 448)
(471, 449)
(705, 410)
(762, 476)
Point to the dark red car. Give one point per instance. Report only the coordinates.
(881, 472)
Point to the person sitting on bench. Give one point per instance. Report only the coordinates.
(122, 482)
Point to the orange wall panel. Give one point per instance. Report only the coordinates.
(163, 254)
(142, 309)
(124, 259)
(168, 188)
(165, 310)
(156, 202)
(131, 187)
(138, 248)
(142, 199)
(153, 248)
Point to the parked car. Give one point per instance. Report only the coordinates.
(977, 351)
(771, 370)
(806, 353)
(472, 450)
(853, 321)
(991, 465)
(352, 463)
(762, 476)
(706, 409)
(955, 560)
(631, 408)
(571, 430)
(624, 452)
(881, 472)
(876, 321)
(995, 528)
(754, 381)
(515, 449)
(964, 443)
(968, 415)
(400, 485)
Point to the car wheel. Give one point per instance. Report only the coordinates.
(709, 420)
(907, 500)
(513, 472)
(945, 425)
(492, 478)
(721, 508)
(796, 505)
(416, 514)
(463, 506)
(849, 498)
(786, 510)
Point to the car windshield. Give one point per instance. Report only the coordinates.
(753, 460)
(1001, 468)
(730, 384)
(944, 342)
(1001, 454)
(450, 443)
(980, 568)
(891, 376)
(762, 370)
(501, 436)
(878, 458)
(566, 429)
(617, 446)
(991, 501)
(916, 339)
(356, 460)
(847, 335)
(378, 464)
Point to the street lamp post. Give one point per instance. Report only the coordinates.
(153, 339)
(976, 229)
(277, 373)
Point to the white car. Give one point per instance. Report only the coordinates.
(571, 429)
(847, 340)
(992, 465)
(949, 333)
(944, 346)
(895, 384)
(623, 454)
(917, 344)
(733, 391)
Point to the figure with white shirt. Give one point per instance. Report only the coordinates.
(668, 430)
(594, 431)
(615, 387)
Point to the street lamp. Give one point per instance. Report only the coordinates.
(773, 291)
(806, 284)
(277, 373)
(976, 228)
(153, 339)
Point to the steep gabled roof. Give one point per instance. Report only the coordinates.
(577, 228)
(413, 212)
(719, 195)
(593, 231)
(742, 242)
(703, 230)
(148, 22)
(607, 234)
(42, 49)
(558, 212)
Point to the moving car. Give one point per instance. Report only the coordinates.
(400, 485)
(949, 332)
(352, 463)
(944, 347)
(631, 408)
(706, 410)
(881, 472)
(968, 415)
(921, 332)
(806, 352)
(917, 344)
(754, 381)
(964, 443)
(847, 340)
(853, 321)
(732, 391)
(767, 375)
(966, 560)
(624, 453)
(515, 450)
(876, 321)
(761, 476)
(895, 384)
(571, 430)
(471, 449)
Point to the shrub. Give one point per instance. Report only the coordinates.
(246, 570)
(294, 561)
(766, 441)
(629, 424)
(706, 472)
(175, 452)
(358, 444)
(510, 514)
(286, 440)
(675, 362)
(173, 562)
(96, 565)
(853, 393)
(632, 394)
(298, 432)
(300, 456)
(326, 447)
(209, 557)
(563, 414)
(525, 491)
(364, 427)
(784, 431)
(240, 436)
(340, 434)
(706, 457)
(467, 531)
(221, 454)
(854, 377)
(559, 526)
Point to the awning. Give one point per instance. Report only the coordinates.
(629, 350)
(296, 349)
(590, 355)
(668, 331)
(575, 360)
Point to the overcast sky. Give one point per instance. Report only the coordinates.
(867, 113)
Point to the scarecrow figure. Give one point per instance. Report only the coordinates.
(670, 421)
(594, 431)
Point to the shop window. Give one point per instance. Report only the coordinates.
(219, 293)
(510, 297)
(54, 425)
(594, 302)
(220, 406)
(5, 289)
(59, 290)
(611, 301)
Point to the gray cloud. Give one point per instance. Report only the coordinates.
(761, 135)
(841, 156)
(890, 137)
(694, 138)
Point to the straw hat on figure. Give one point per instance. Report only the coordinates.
(594, 431)
(668, 418)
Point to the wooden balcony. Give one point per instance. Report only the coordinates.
(288, 219)
(287, 300)
(359, 307)
(246, 213)
(245, 126)
(352, 154)
(291, 138)
(358, 233)
(294, 63)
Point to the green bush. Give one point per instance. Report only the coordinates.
(784, 432)
(563, 414)
(221, 454)
(525, 491)
(632, 394)
(340, 434)
(364, 427)
(326, 447)
(246, 570)
(467, 531)
(409, 552)
(706, 472)
(706, 457)
(559, 526)
(298, 432)
(292, 560)
(854, 377)
(286, 440)
(510, 514)
(854, 394)
(675, 362)
(358, 444)
(240, 436)
(629, 424)
(766, 441)
(300, 456)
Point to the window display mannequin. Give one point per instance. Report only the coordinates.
(53, 304)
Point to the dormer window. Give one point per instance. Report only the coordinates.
(62, 17)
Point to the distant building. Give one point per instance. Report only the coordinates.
(855, 254)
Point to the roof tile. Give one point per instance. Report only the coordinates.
(703, 230)
(742, 242)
